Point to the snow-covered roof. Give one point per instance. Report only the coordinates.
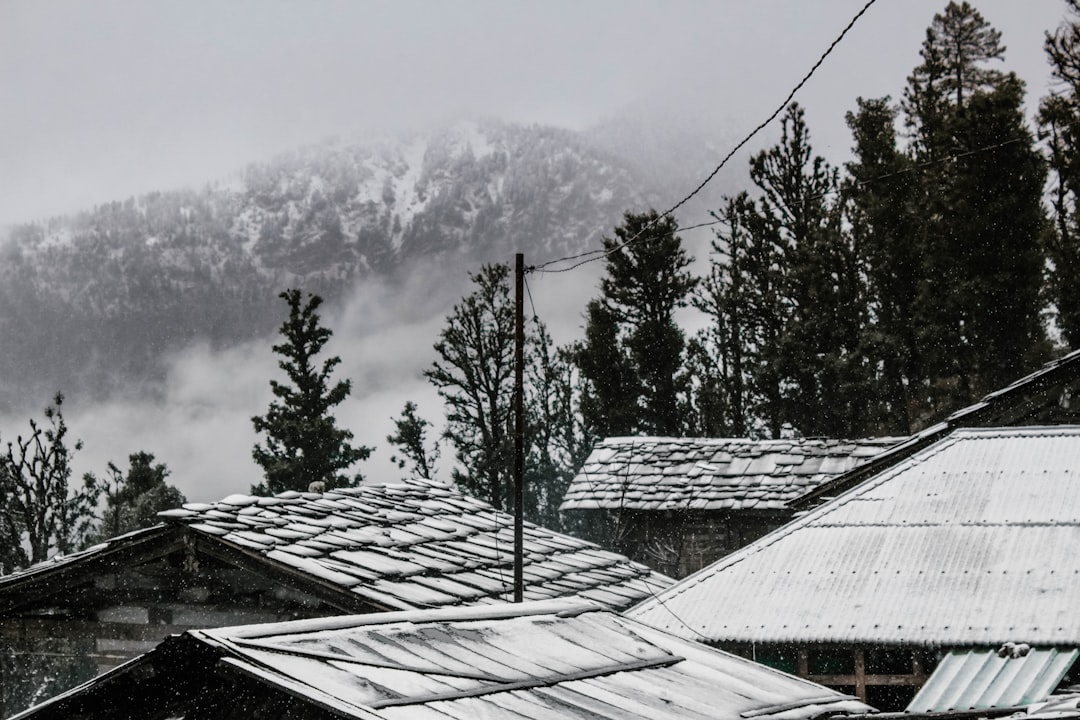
(971, 541)
(561, 658)
(414, 544)
(641, 473)
(417, 544)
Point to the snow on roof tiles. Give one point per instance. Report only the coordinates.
(971, 541)
(561, 658)
(710, 474)
(422, 543)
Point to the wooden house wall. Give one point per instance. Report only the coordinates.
(678, 543)
(87, 627)
(884, 676)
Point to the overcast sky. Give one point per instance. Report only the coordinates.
(101, 100)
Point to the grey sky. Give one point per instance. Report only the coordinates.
(105, 99)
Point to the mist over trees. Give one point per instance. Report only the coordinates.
(869, 299)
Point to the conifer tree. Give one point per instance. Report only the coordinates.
(134, 500)
(611, 388)
(474, 376)
(632, 327)
(1059, 121)
(810, 370)
(721, 355)
(977, 309)
(883, 215)
(303, 444)
(410, 438)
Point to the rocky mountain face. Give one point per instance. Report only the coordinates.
(92, 303)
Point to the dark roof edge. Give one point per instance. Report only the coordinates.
(972, 416)
(38, 581)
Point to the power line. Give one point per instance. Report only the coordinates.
(528, 291)
(599, 254)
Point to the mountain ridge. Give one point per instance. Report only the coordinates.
(92, 301)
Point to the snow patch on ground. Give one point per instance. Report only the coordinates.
(407, 201)
(468, 134)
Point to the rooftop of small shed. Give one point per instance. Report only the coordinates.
(643, 473)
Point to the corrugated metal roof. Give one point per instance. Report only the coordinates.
(407, 545)
(970, 542)
(554, 659)
(710, 474)
(982, 679)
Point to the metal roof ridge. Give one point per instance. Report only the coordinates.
(1019, 430)
(562, 607)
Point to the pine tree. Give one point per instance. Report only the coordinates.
(474, 377)
(1059, 122)
(134, 500)
(809, 358)
(721, 355)
(631, 327)
(303, 443)
(611, 388)
(883, 214)
(410, 438)
(977, 309)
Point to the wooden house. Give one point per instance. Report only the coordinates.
(271, 559)
(550, 659)
(967, 545)
(678, 504)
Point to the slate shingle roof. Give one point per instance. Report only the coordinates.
(711, 474)
(417, 544)
(565, 659)
(971, 541)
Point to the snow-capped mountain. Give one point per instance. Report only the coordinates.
(94, 301)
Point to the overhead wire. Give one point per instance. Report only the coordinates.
(594, 255)
(595, 489)
(869, 181)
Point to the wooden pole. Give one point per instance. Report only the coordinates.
(519, 427)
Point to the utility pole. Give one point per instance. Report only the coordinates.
(519, 427)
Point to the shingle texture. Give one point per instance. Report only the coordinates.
(637, 473)
(415, 545)
(971, 541)
(554, 659)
